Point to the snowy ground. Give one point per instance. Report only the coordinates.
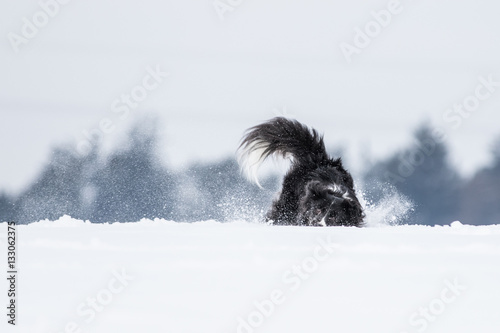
(162, 276)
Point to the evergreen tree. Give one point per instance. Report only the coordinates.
(132, 184)
(57, 191)
(422, 173)
(7, 212)
(480, 197)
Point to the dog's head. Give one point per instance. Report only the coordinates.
(328, 198)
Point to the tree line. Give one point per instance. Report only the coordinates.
(131, 184)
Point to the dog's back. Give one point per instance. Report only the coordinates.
(317, 190)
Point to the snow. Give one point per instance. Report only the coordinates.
(164, 276)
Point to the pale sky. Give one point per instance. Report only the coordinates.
(232, 67)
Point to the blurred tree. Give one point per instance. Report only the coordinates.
(7, 212)
(57, 191)
(132, 184)
(422, 173)
(218, 191)
(480, 196)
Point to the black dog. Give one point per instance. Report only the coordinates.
(317, 190)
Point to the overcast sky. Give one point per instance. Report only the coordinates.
(366, 74)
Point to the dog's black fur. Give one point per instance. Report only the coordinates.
(317, 190)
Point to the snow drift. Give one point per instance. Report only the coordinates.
(163, 276)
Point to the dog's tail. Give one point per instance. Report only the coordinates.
(280, 137)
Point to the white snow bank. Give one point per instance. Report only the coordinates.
(163, 276)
